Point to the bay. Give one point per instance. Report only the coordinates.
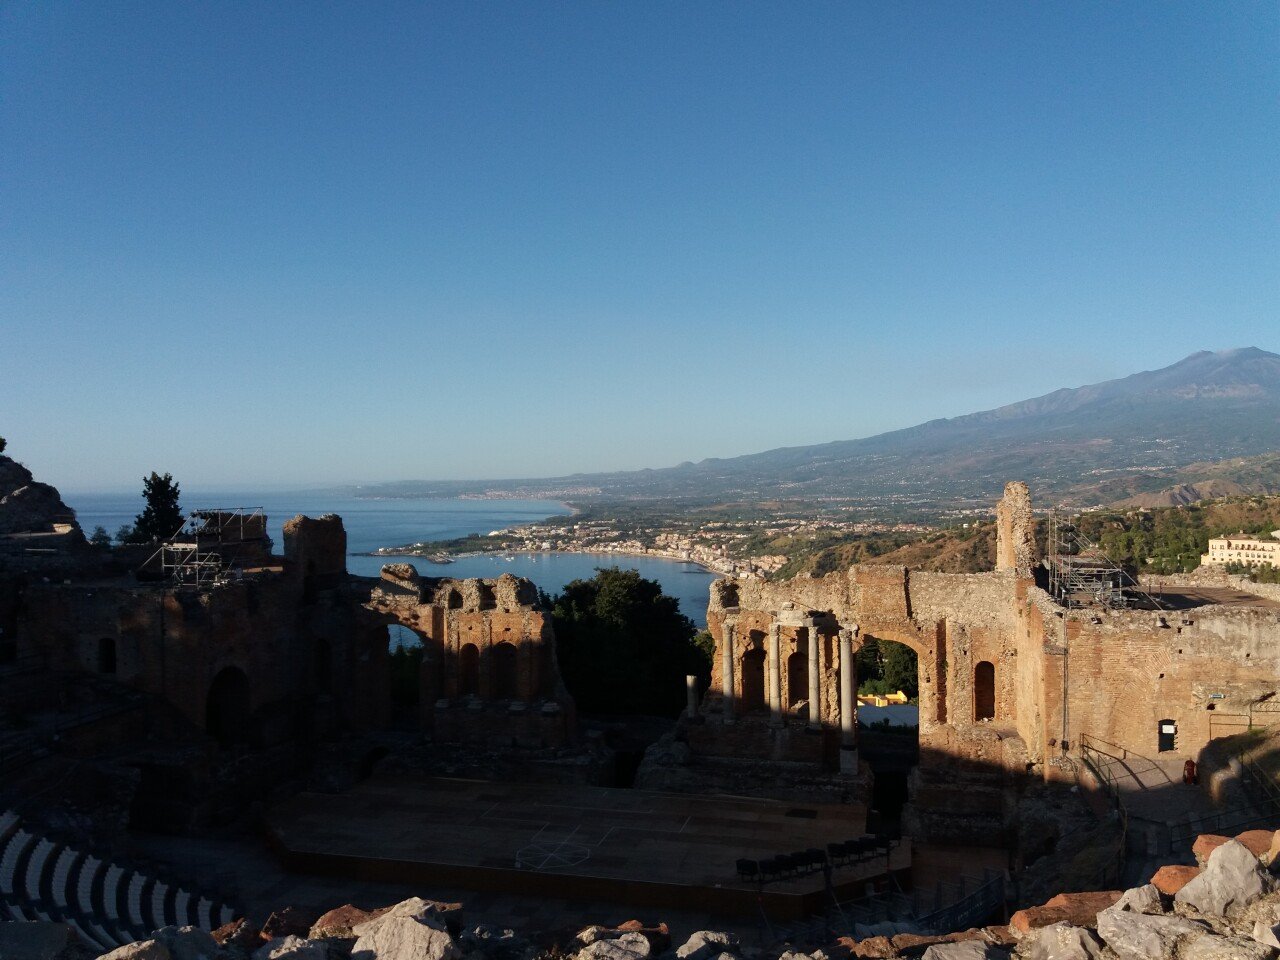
(371, 524)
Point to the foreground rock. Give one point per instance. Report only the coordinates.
(1061, 941)
(1232, 879)
(403, 938)
(706, 944)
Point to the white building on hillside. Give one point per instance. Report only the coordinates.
(1242, 548)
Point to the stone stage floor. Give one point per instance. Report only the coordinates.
(633, 846)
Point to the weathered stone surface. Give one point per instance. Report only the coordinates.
(138, 950)
(292, 948)
(1210, 947)
(404, 938)
(1267, 934)
(1272, 856)
(238, 933)
(428, 912)
(625, 946)
(966, 950)
(1144, 899)
(1078, 909)
(1205, 844)
(289, 922)
(339, 921)
(869, 948)
(1231, 880)
(37, 941)
(1140, 936)
(187, 943)
(658, 935)
(1061, 941)
(589, 935)
(706, 944)
(1172, 877)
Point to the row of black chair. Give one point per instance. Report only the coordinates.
(805, 862)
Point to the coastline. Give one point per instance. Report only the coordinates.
(651, 555)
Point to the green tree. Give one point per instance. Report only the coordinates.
(885, 666)
(3, 444)
(124, 534)
(162, 517)
(624, 646)
(100, 537)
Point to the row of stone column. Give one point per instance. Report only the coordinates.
(773, 678)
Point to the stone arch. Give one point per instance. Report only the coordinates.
(503, 671)
(228, 707)
(984, 690)
(753, 680)
(107, 655)
(453, 599)
(469, 670)
(797, 678)
(487, 599)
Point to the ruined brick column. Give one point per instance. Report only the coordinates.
(775, 675)
(726, 671)
(848, 709)
(815, 678)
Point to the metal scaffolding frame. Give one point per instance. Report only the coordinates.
(206, 550)
(1082, 575)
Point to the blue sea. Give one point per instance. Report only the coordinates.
(383, 523)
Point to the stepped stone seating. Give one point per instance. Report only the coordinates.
(106, 904)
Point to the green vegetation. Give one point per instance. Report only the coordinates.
(3, 443)
(405, 674)
(624, 646)
(887, 667)
(1172, 539)
(1262, 573)
(162, 517)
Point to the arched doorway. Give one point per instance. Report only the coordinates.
(502, 658)
(453, 600)
(753, 680)
(889, 729)
(469, 670)
(107, 655)
(797, 679)
(984, 690)
(227, 708)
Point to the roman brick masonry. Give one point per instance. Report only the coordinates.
(202, 701)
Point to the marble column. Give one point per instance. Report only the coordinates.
(815, 677)
(775, 675)
(726, 671)
(848, 704)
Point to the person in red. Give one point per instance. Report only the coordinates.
(1189, 775)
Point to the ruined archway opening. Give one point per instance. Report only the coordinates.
(228, 709)
(889, 724)
(469, 670)
(404, 673)
(797, 679)
(753, 679)
(984, 690)
(504, 672)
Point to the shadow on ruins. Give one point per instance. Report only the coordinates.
(182, 743)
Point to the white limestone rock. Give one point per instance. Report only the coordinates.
(1060, 941)
(1267, 934)
(589, 935)
(138, 950)
(292, 948)
(187, 943)
(404, 938)
(966, 950)
(706, 944)
(1231, 880)
(415, 908)
(1210, 947)
(627, 946)
(1144, 899)
(1139, 936)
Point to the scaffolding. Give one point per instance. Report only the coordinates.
(213, 546)
(1082, 575)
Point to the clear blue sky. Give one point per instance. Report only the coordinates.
(295, 243)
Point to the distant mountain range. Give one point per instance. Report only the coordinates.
(1098, 443)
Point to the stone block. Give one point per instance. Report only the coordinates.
(1078, 909)
(1172, 877)
(1232, 879)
